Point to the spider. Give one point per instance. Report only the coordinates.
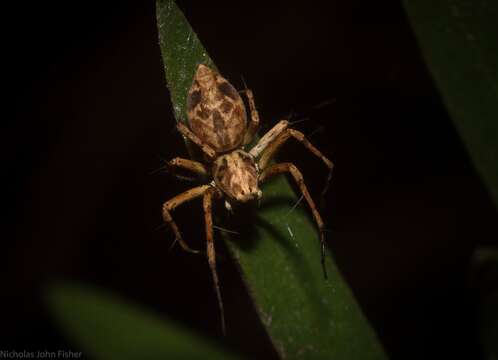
(218, 125)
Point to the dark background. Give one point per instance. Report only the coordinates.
(92, 119)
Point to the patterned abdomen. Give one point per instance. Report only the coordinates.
(216, 112)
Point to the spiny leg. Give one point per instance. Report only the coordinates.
(298, 177)
(254, 122)
(208, 199)
(269, 137)
(278, 141)
(194, 166)
(273, 146)
(176, 201)
(185, 131)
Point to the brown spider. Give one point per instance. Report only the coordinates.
(218, 125)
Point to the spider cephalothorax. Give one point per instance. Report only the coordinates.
(236, 174)
(218, 124)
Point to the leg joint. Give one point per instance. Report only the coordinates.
(298, 135)
(174, 161)
(295, 172)
(169, 205)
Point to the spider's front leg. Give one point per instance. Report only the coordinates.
(208, 200)
(170, 205)
(276, 137)
(298, 177)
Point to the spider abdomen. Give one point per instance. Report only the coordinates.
(216, 112)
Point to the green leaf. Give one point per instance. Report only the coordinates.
(459, 40)
(108, 328)
(181, 52)
(278, 253)
(483, 281)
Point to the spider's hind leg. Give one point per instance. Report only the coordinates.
(206, 149)
(298, 177)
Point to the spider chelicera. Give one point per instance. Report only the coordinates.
(218, 125)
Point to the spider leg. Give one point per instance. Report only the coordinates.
(185, 131)
(298, 177)
(279, 140)
(254, 122)
(171, 204)
(269, 137)
(207, 202)
(194, 166)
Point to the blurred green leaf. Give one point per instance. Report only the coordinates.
(278, 253)
(483, 282)
(459, 40)
(108, 328)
